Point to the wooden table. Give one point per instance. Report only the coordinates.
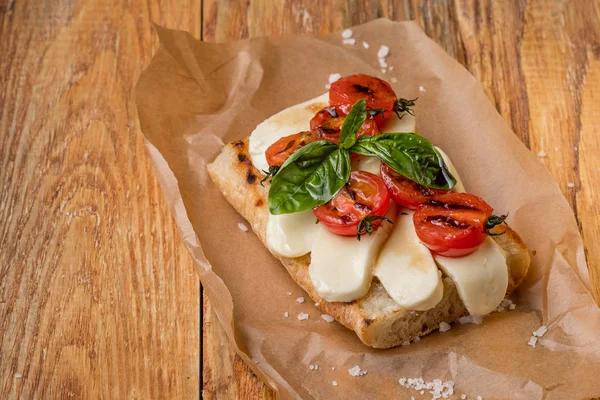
(98, 296)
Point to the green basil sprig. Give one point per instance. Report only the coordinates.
(313, 174)
(409, 155)
(309, 178)
(352, 123)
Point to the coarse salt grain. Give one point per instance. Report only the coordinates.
(286, 314)
(391, 68)
(436, 387)
(18, 375)
(541, 331)
(571, 185)
(383, 51)
(347, 33)
(350, 41)
(365, 45)
(532, 341)
(333, 383)
(300, 300)
(289, 293)
(327, 318)
(479, 398)
(356, 371)
(383, 70)
(394, 80)
(542, 153)
(311, 367)
(405, 343)
(512, 306)
(302, 316)
(417, 339)
(327, 86)
(422, 88)
(444, 326)
(556, 149)
(243, 227)
(382, 63)
(463, 396)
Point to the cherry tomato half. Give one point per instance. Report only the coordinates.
(327, 124)
(365, 194)
(452, 224)
(405, 192)
(279, 151)
(377, 93)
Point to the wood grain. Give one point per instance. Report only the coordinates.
(98, 297)
(538, 62)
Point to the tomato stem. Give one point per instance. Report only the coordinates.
(366, 224)
(492, 221)
(270, 173)
(404, 106)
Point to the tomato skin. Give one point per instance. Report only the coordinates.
(327, 124)
(365, 194)
(452, 224)
(279, 151)
(377, 93)
(405, 192)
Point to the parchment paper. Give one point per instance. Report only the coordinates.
(196, 96)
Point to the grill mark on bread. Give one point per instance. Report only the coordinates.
(259, 203)
(250, 178)
(241, 157)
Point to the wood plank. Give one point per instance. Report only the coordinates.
(98, 296)
(537, 61)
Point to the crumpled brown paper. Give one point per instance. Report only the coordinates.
(196, 96)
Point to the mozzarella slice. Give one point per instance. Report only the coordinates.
(341, 267)
(480, 277)
(291, 235)
(459, 187)
(365, 163)
(406, 269)
(292, 120)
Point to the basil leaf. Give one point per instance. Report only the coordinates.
(309, 177)
(410, 155)
(352, 123)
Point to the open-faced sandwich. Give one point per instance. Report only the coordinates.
(369, 218)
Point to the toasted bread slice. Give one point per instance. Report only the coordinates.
(377, 320)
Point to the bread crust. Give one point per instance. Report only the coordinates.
(377, 320)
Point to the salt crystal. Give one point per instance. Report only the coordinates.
(532, 341)
(444, 326)
(302, 316)
(542, 153)
(300, 300)
(422, 88)
(575, 148)
(556, 149)
(286, 314)
(383, 70)
(327, 86)
(383, 51)
(327, 318)
(356, 371)
(365, 45)
(405, 343)
(312, 367)
(512, 306)
(347, 33)
(479, 398)
(243, 227)
(18, 376)
(350, 41)
(571, 185)
(394, 80)
(463, 396)
(541, 331)
(333, 383)
(417, 339)
(289, 293)
(391, 68)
